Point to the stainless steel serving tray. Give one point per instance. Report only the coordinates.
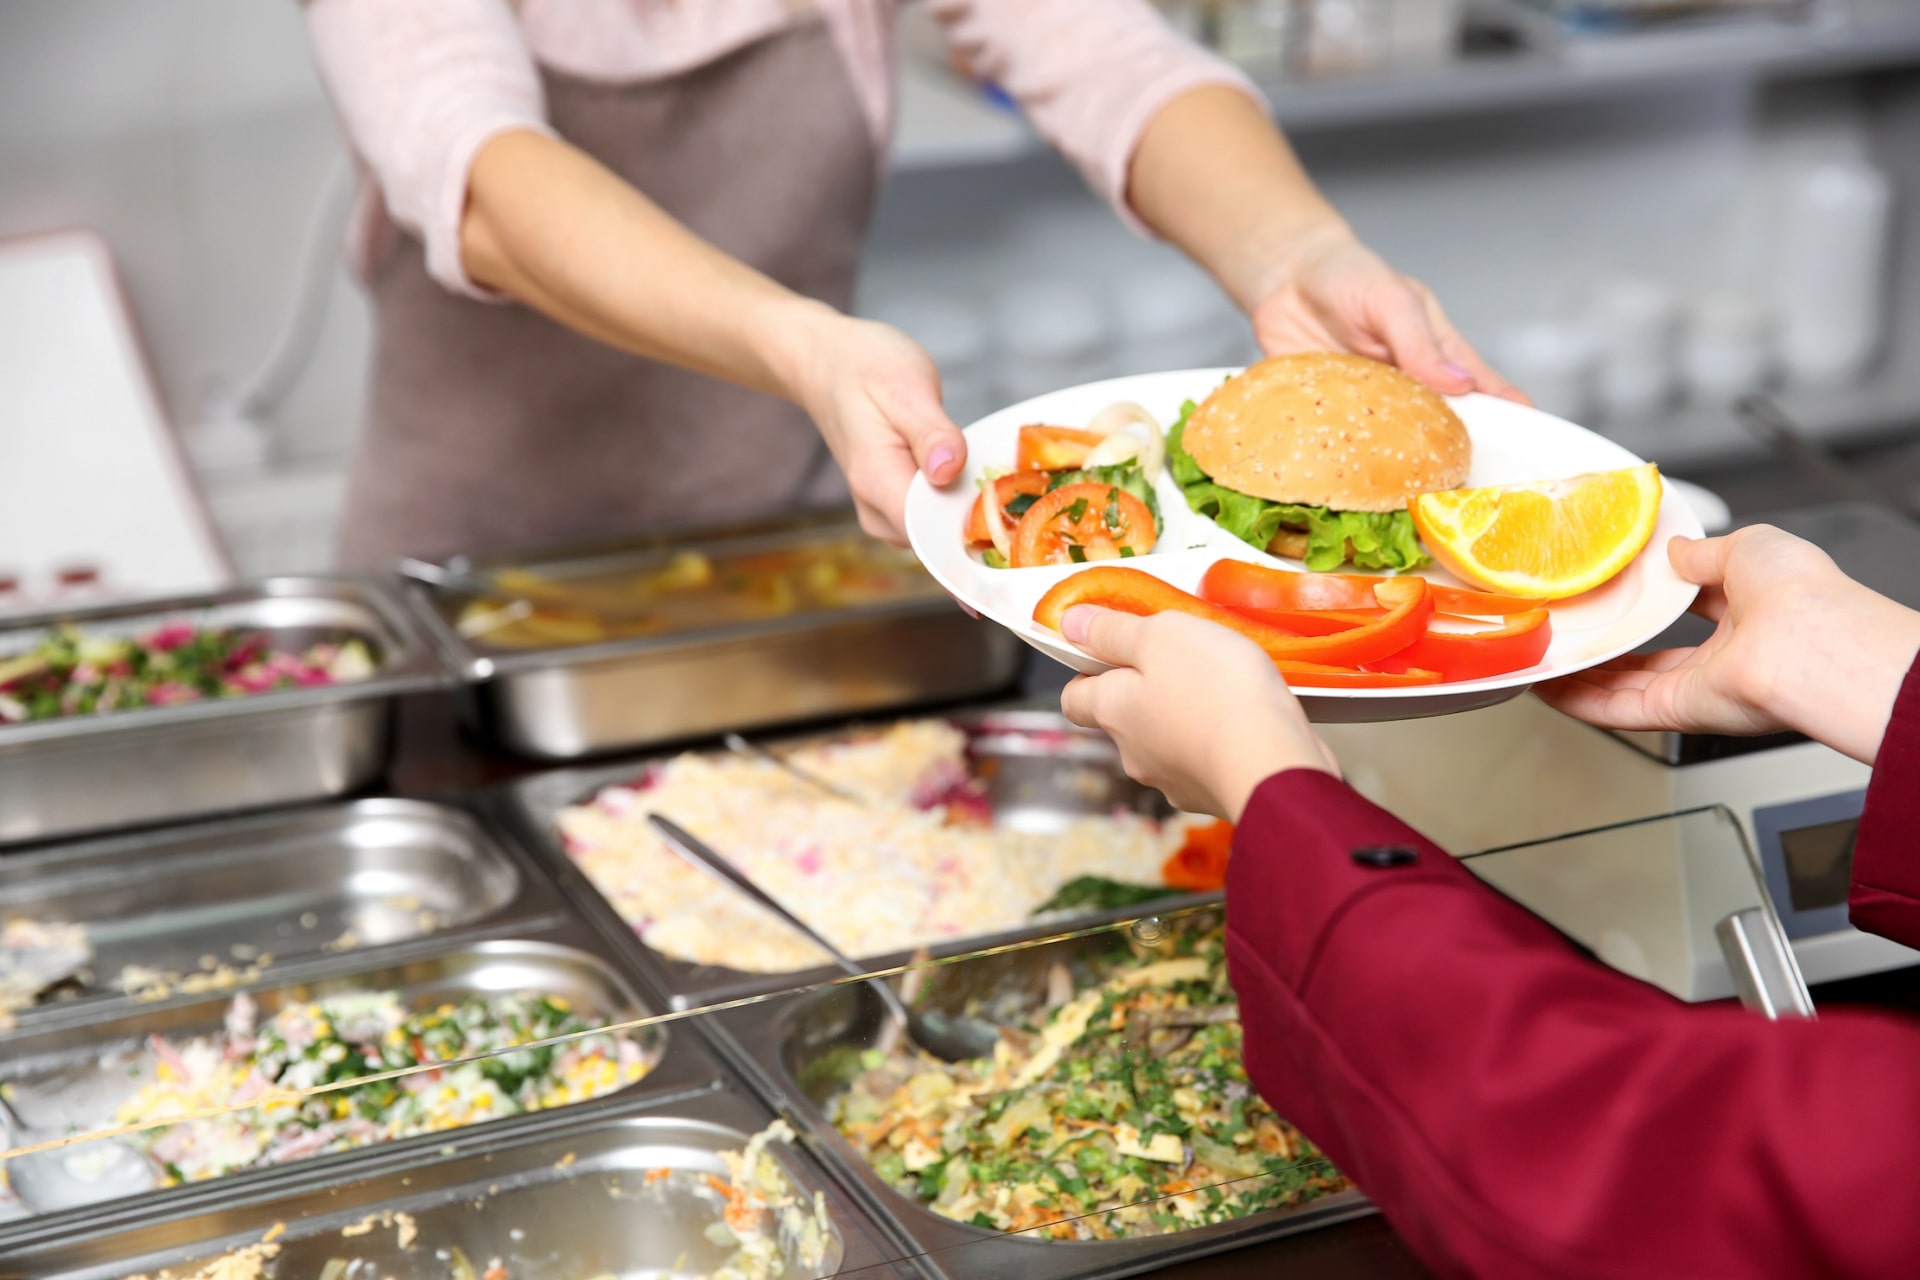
(300, 887)
(1040, 771)
(153, 764)
(75, 1076)
(565, 702)
(562, 1201)
(788, 1046)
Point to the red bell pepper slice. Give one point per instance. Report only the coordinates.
(1239, 586)
(1308, 675)
(1409, 603)
(1201, 863)
(1477, 655)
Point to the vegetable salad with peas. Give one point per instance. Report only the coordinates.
(1125, 1112)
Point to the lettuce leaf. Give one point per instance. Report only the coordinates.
(1382, 540)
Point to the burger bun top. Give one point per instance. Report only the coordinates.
(1329, 430)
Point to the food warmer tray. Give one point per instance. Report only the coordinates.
(154, 764)
(63, 1077)
(1040, 770)
(291, 889)
(567, 701)
(542, 1199)
(788, 1047)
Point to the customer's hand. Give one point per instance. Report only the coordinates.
(1335, 294)
(1198, 712)
(875, 395)
(1799, 645)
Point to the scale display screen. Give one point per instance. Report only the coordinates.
(1819, 863)
(1806, 851)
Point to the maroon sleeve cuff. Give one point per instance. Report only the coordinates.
(1307, 849)
(1885, 897)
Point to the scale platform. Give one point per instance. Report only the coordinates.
(1520, 772)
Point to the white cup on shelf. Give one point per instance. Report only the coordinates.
(1553, 362)
(1172, 318)
(1729, 348)
(1830, 272)
(1050, 333)
(1636, 329)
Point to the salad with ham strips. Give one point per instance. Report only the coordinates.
(1075, 494)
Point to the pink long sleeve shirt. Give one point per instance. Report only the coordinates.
(422, 87)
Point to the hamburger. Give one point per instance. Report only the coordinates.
(1316, 457)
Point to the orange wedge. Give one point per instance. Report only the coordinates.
(1547, 540)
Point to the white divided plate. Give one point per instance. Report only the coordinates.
(1511, 444)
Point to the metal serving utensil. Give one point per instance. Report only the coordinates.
(753, 751)
(73, 1176)
(950, 1037)
(446, 579)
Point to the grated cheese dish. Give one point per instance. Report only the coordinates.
(345, 1037)
(1125, 1112)
(913, 865)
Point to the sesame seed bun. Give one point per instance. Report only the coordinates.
(1327, 430)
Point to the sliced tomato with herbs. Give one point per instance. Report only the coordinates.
(1239, 585)
(1077, 523)
(1477, 655)
(1409, 603)
(1044, 448)
(1009, 489)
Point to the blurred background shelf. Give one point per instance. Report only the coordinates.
(946, 122)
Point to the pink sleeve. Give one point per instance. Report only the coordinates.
(1885, 897)
(1090, 75)
(420, 88)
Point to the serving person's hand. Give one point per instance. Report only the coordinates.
(1798, 645)
(1197, 711)
(875, 395)
(1335, 294)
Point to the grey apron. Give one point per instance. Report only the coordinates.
(491, 427)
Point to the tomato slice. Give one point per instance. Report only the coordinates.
(1240, 585)
(1477, 655)
(1006, 489)
(1131, 591)
(1044, 448)
(1081, 522)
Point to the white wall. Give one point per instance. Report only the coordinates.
(195, 136)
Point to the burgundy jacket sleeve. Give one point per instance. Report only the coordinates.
(1885, 897)
(1518, 1110)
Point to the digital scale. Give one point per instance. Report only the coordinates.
(1521, 772)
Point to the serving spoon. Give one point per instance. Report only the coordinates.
(949, 1037)
(556, 598)
(754, 751)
